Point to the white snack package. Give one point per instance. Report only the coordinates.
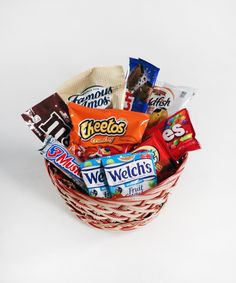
(98, 87)
(166, 99)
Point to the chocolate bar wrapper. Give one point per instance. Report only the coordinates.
(142, 77)
(49, 117)
(58, 155)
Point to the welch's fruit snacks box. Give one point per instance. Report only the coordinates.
(130, 174)
(94, 178)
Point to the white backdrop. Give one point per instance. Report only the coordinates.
(44, 43)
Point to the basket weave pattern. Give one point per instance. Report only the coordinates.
(123, 213)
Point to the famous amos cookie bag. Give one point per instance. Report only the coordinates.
(98, 87)
(167, 99)
(101, 127)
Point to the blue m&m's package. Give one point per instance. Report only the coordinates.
(142, 77)
(130, 174)
(94, 178)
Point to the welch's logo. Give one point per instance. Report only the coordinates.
(93, 177)
(93, 97)
(162, 97)
(125, 173)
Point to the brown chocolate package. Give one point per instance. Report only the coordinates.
(138, 85)
(134, 77)
(49, 117)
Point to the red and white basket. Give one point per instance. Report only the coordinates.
(123, 213)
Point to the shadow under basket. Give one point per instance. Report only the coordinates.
(123, 213)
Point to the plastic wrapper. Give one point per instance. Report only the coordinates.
(102, 127)
(130, 174)
(142, 77)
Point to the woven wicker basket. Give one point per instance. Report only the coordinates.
(124, 213)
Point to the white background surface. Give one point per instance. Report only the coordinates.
(44, 43)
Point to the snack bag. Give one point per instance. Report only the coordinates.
(102, 127)
(130, 174)
(164, 163)
(141, 79)
(167, 99)
(98, 151)
(178, 133)
(99, 87)
(49, 117)
(59, 156)
(94, 178)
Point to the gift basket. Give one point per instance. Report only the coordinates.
(115, 147)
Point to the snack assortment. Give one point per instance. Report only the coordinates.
(111, 141)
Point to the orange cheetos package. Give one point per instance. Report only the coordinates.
(96, 127)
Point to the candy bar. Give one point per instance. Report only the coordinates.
(140, 81)
(59, 156)
(102, 127)
(99, 87)
(94, 178)
(49, 117)
(130, 174)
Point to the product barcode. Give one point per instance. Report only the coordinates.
(183, 93)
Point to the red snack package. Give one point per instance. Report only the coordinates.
(178, 133)
(164, 163)
(98, 151)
